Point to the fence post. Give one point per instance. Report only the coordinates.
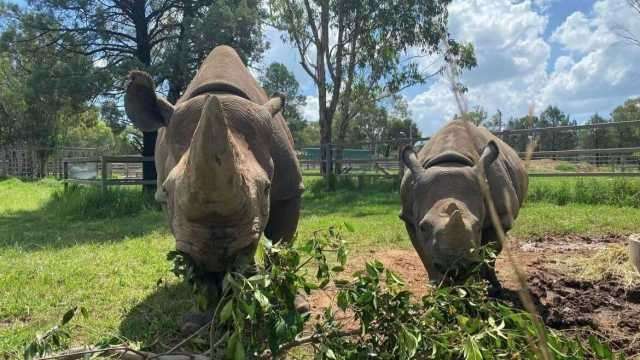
(623, 160)
(65, 174)
(400, 162)
(104, 173)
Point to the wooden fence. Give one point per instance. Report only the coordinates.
(105, 171)
(35, 162)
(587, 163)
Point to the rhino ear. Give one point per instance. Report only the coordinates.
(410, 160)
(276, 104)
(489, 155)
(146, 110)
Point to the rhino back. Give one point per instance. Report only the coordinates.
(224, 71)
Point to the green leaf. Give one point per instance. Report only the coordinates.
(471, 349)
(601, 350)
(262, 300)
(230, 351)
(409, 342)
(227, 311)
(68, 315)
(84, 312)
(343, 300)
(342, 255)
(340, 282)
(249, 309)
(349, 227)
(239, 354)
(337, 269)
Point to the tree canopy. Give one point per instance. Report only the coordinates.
(343, 45)
(278, 79)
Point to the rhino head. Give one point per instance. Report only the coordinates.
(214, 169)
(448, 212)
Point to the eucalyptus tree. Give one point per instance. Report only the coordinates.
(367, 43)
(167, 38)
(278, 79)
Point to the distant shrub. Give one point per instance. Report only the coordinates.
(93, 202)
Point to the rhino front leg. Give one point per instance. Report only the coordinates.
(283, 220)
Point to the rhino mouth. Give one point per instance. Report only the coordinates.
(218, 248)
(458, 268)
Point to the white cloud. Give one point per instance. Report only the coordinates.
(598, 74)
(593, 71)
(582, 34)
(512, 56)
(310, 109)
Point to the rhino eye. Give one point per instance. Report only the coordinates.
(425, 227)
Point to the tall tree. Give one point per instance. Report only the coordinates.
(167, 38)
(278, 79)
(345, 43)
(627, 135)
(401, 126)
(41, 86)
(478, 116)
(204, 25)
(495, 123)
(598, 138)
(552, 116)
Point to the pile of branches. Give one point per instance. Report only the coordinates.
(256, 316)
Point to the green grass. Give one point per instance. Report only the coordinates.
(107, 252)
(561, 191)
(565, 167)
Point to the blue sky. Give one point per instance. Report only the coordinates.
(531, 53)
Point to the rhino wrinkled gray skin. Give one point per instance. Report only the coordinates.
(227, 170)
(442, 204)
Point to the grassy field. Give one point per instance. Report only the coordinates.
(108, 253)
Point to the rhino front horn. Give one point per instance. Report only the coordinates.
(212, 183)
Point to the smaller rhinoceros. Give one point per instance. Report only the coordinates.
(442, 203)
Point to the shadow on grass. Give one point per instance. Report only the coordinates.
(77, 216)
(154, 322)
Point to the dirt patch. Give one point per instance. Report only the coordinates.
(605, 308)
(569, 243)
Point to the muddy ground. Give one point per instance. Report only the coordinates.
(605, 308)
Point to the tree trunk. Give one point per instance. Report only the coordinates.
(149, 167)
(143, 53)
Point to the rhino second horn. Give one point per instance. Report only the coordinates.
(213, 180)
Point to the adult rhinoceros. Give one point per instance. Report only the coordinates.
(442, 204)
(226, 166)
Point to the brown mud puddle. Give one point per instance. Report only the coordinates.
(604, 308)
